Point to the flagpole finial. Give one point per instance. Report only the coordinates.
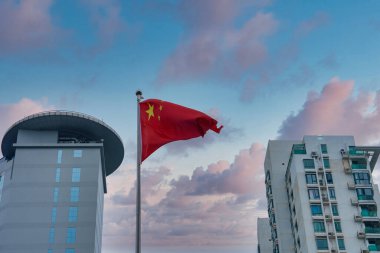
(139, 95)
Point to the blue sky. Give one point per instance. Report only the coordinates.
(265, 69)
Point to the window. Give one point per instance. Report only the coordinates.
(50, 251)
(74, 194)
(334, 210)
(57, 175)
(332, 193)
(308, 163)
(338, 227)
(359, 164)
(70, 251)
(362, 178)
(316, 210)
(75, 175)
(1, 185)
(53, 215)
(77, 153)
(71, 235)
(59, 157)
(319, 226)
(73, 214)
(313, 193)
(51, 235)
(326, 163)
(329, 178)
(321, 243)
(364, 193)
(324, 148)
(311, 178)
(341, 244)
(55, 194)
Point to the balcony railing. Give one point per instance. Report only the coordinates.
(299, 149)
(372, 230)
(359, 166)
(366, 213)
(365, 197)
(352, 151)
(373, 247)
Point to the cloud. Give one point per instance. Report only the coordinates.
(336, 111)
(11, 113)
(25, 25)
(215, 206)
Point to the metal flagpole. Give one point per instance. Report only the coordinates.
(138, 181)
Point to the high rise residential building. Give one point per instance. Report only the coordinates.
(264, 241)
(321, 195)
(52, 182)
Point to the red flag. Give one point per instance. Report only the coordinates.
(163, 122)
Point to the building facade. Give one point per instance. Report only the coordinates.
(321, 195)
(264, 241)
(52, 182)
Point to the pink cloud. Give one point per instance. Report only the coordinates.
(25, 25)
(216, 206)
(11, 113)
(336, 111)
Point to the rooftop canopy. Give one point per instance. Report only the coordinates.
(72, 127)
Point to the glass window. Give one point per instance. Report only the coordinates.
(326, 163)
(334, 209)
(50, 251)
(70, 251)
(55, 194)
(57, 175)
(308, 163)
(313, 193)
(316, 210)
(71, 235)
(74, 194)
(364, 193)
(332, 193)
(319, 226)
(341, 244)
(77, 153)
(73, 214)
(362, 178)
(329, 178)
(59, 157)
(311, 178)
(51, 235)
(1, 185)
(338, 227)
(324, 148)
(53, 215)
(321, 243)
(75, 175)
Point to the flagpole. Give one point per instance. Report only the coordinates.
(138, 181)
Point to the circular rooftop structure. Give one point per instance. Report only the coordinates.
(72, 127)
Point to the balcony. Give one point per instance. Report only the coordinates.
(372, 230)
(359, 166)
(299, 149)
(373, 247)
(353, 152)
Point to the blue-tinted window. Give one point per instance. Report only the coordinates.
(308, 163)
(50, 251)
(53, 215)
(362, 178)
(77, 153)
(364, 193)
(324, 148)
(51, 235)
(71, 235)
(338, 227)
(332, 193)
(326, 163)
(334, 209)
(57, 175)
(321, 243)
(75, 175)
(341, 244)
(329, 178)
(319, 226)
(55, 194)
(74, 194)
(311, 178)
(59, 157)
(316, 210)
(313, 193)
(1, 185)
(73, 214)
(70, 251)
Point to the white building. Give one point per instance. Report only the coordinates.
(264, 240)
(52, 182)
(321, 196)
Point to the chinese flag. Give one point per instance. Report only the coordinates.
(163, 122)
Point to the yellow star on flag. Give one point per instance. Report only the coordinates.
(150, 111)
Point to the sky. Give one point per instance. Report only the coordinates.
(264, 69)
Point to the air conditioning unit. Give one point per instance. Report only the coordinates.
(343, 152)
(321, 183)
(365, 251)
(320, 169)
(334, 251)
(361, 235)
(331, 234)
(274, 225)
(351, 185)
(328, 217)
(276, 241)
(347, 170)
(358, 218)
(354, 202)
(314, 154)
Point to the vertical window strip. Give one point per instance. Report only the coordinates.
(59, 156)
(74, 194)
(56, 194)
(51, 235)
(77, 153)
(71, 235)
(58, 175)
(53, 215)
(75, 175)
(73, 214)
